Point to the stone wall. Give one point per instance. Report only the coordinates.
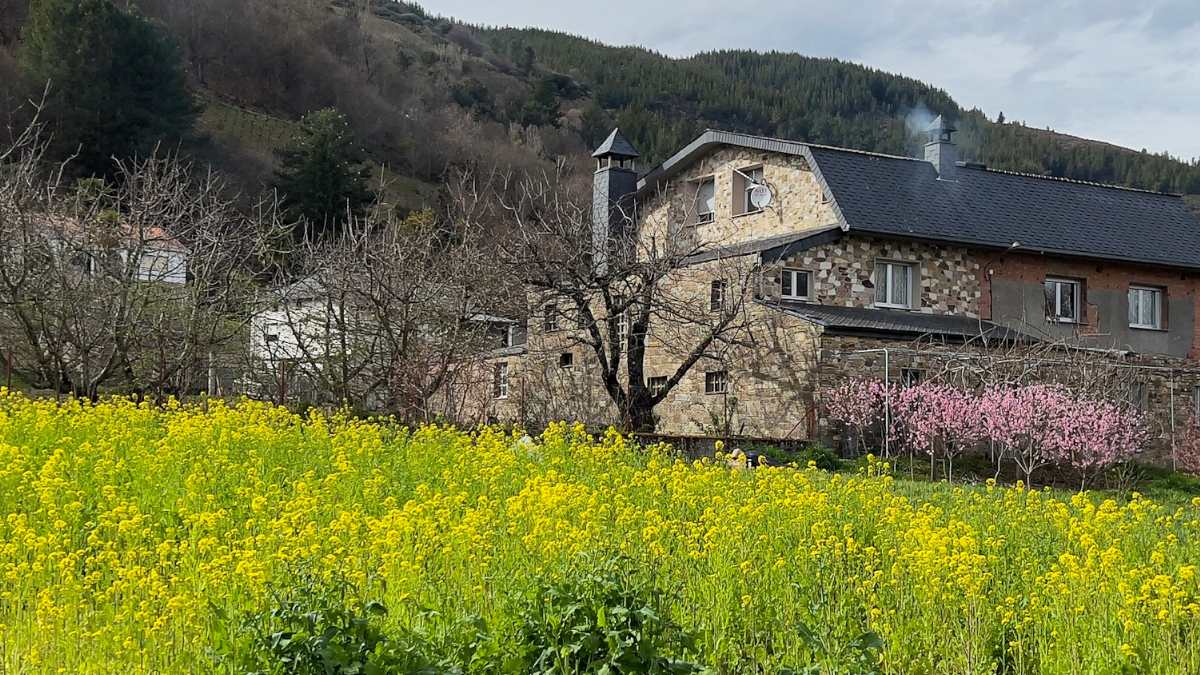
(842, 273)
(799, 203)
(1171, 386)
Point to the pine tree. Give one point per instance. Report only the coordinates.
(322, 174)
(116, 82)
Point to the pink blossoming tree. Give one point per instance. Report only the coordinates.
(859, 404)
(940, 420)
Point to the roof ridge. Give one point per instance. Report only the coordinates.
(817, 145)
(1075, 181)
(967, 165)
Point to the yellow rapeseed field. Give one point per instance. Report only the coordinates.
(128, 534)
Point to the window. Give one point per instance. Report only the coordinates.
(566, 360)
(716, 382)
(550, 314)
(271, 337)
(794, 284)
(1139, 396)
(656, 384)
(744, 182)
(893, 284)
(622, 330)
(500, 381)
(705, 201)
(1196, 402)
(161, 266)
(1145, 307)
(716, 295)
(510, 335)
(1062, 300)
(911, 377)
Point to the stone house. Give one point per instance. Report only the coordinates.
(879, 266)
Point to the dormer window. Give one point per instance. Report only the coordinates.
(706, 194)
(744, 182)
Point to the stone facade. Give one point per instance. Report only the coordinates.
(946, 278)
(776, 365)
(799, 203)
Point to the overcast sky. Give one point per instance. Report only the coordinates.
(1124, 71)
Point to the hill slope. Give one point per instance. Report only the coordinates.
(425, 93)
(663, 102)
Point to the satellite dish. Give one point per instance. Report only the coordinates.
(761, 196)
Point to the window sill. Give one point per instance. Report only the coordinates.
(749, 213)
(800, 298)
(1064, 322)
(1152, 329)
(884, 305)
(715, 393)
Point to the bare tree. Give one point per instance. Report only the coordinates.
(131, 284)
(678, 299)
(380, 316)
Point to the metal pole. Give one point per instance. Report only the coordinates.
(887, 406)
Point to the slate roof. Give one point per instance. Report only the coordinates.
(894, 322)
(903, 197)
(616, 145)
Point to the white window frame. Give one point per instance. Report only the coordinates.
(173, 270)
(1196, 401)
(550, 317)
(716, 382)
(705, 217)
(745, 205)
(793, 272)
(885, 281)
(1141, 291)
(510, 337)
(718, 290)
(500, 380)
(656, 384)
(1055, 312)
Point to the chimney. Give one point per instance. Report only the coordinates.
(613, 186)
(940, 150)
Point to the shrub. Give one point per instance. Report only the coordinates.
(313, 628)
(606, 621)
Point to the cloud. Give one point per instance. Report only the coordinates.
(1127, 73)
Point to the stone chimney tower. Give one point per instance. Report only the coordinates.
(940, 150)
(612, 197)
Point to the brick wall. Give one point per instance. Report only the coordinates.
(1012, 293)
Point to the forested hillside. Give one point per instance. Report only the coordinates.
(423, 93)
(663, 102)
